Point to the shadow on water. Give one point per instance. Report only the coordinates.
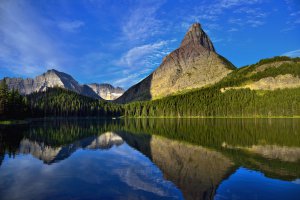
(195, 154)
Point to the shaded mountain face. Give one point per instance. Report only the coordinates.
(193, 65)
(52, 78)
(107, 91)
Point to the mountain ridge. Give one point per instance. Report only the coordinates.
(193, 65)
(54, 78)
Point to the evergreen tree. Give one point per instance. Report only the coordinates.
(3, 99)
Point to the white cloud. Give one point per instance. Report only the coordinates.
(232, 3)
(233, 30)
(141, 55)
(142, 22)
(255, 23)
(139, 61)
(71, 26)
(133, 78)
(295, 53)
(25, 45)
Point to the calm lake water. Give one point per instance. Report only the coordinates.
(151, 159)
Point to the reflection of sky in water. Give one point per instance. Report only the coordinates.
(118, 173)
(248, 184)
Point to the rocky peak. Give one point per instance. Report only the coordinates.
(196, 36)
(51, 78)
(194, 64)
(106, 91)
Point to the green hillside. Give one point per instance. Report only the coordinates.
(55, 102)
(213, 102)
(227, 98)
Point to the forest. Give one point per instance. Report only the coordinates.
(212, 101)
(54, 102)
(209, 101)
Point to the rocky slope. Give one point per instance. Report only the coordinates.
(107, 91)
(54, 78)
(268, 74)
(194, 64)
(49, 79)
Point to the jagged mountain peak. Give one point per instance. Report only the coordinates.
(196, 36)
(194, 64)
(51, 78)
(106, 90)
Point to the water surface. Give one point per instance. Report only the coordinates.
(151, 159)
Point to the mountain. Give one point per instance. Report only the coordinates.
(51, 78)
(268, 88)
(107, 91)
(193, 65)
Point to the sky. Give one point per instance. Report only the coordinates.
(122, 41)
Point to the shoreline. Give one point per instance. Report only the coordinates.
(28, 120)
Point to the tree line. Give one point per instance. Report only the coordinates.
(211, 102)
(54, 102)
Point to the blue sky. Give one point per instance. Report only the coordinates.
(122, 41)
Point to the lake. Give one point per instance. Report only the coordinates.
(151, 159)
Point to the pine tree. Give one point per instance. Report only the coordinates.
(3, 99)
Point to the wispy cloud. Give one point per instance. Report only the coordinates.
(71, 26)
(295, 53)
(25, 45)
(132, 78)
(138, 61)
(233, 30)
(144, 54)
(292, 22)
(142, 21)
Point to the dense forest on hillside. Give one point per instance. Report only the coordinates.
(53, 103)
(210, 101)
(64, 103)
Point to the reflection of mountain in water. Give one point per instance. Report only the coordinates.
(54, 154)
(283, 153)
(221, 146)
(197, 171)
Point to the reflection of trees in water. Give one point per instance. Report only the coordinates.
(10, 137)
(222, 135)
(214, 132)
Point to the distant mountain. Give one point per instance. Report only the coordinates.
(107, 91)
(53, 78)
(193, 65)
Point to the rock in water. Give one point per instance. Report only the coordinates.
(193, 65)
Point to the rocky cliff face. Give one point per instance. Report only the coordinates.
(193, 65)
(52, 78)
(107, 91)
